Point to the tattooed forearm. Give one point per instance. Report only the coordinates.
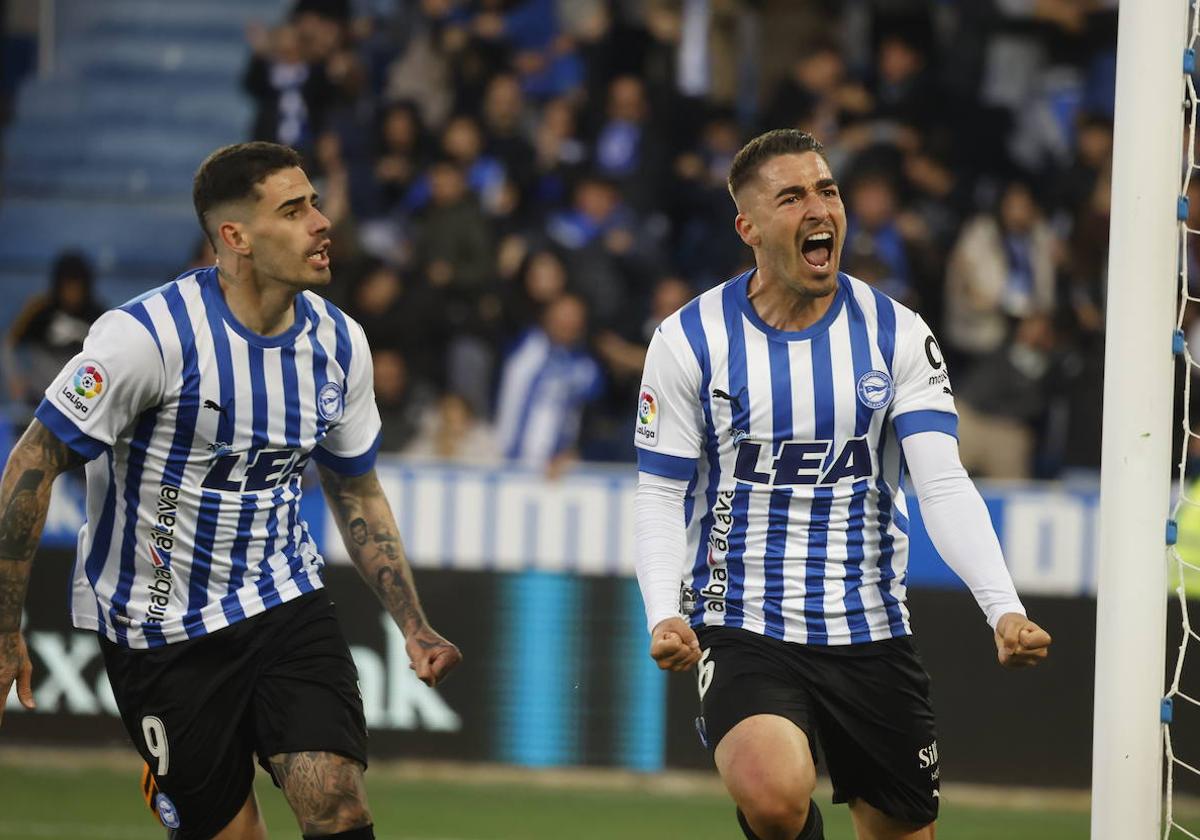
(19, 514)
(396, 593)
(14, 575)
(35, 461)
(373, 542)
(325, 790)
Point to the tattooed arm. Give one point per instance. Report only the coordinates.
(34, 463)
(372, 539)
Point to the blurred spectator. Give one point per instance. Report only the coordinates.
(706, 247)
(50, 329)
(291, 92)
(541, 280)
(421, 74)
(626, 148)
(401, 401)
(1092, 159)
(610, 255)
(402, 314)
(1000, 400)
(1002, 268)
(817, 96)
(401, 153)
(451, 432)
(462, 144)
(557, 152)
(906, 89)
(544, 57)
(544, 384)
(624, 354)
(507, 128)
(453, 248)
(872, 233)
(454, 254)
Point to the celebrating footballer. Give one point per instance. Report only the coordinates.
(779, 414)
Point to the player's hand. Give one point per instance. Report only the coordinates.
(673, 645)
(15, 664)
(432, 656)
(1019, 642)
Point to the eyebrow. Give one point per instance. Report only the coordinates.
(796, 189)
(296, 201)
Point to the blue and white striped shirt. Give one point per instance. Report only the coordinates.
(543, 389)
(796, 524)
(197, 431)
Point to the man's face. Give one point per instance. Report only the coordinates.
(791, 214)
(287, 233)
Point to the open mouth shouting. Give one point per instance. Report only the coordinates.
(817, 249)
(319, 258)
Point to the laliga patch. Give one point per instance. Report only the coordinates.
(647, 417)
(331, 402)
(166, 811)
(83, 390)
(875, 389)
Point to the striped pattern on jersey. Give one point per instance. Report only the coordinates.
(193, 512)
(796, 525)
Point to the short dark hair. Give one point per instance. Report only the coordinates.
(779, 141)
(231, 173)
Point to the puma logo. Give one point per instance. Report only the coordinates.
(733, 401)
(215, 407)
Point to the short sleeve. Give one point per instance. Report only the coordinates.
(100, 392)
(924, 401)
(669, 428)
(352, 441)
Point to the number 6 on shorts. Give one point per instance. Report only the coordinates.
(156, 743)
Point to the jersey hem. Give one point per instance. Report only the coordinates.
(839, 640)
(174, 632)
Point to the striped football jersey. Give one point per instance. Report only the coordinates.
(197, 431)
(796, 524)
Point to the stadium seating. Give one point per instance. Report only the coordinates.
(100, 155)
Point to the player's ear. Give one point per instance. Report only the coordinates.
(233, 234)
(747, 230)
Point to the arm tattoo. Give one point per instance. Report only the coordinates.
(373, 542)
(358, 531)
(20, 513)
(398, 596)
(325, 791)
(38, 457)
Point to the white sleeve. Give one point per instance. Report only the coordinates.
(958, 523)
(116, 376)
(669, 428)
(352, 440)
(659, 532)
(923, 399)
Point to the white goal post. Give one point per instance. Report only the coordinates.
(1127, 749)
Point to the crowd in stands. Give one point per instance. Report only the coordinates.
(523, 189)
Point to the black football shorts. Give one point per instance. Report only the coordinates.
(867, 706)
(198, 711)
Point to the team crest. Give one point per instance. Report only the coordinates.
(166, 811)
(331, 401)
(84, 390)
(875, 389)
